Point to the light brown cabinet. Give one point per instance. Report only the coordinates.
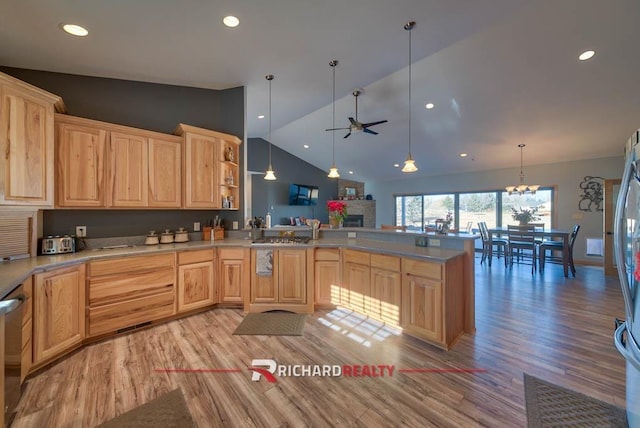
(386, 280)
(58, 315)
(26, 143)
(197, 287)
(327, 276)
(356, 290)
(126, 292)
(432, 295)
(211, 174)
(81, 152)
(233, 271)
(286, 286)
(106, 165)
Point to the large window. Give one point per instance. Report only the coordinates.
(495, 208)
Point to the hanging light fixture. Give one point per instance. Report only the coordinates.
(269, 174)
(333, 171)
(522, 188)
(409, 164)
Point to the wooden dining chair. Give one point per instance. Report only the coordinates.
(500, 243)
(549, 245)
(522, 240)
(391, 227)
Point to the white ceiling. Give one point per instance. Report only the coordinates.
(500, 72)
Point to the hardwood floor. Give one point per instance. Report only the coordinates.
(558, 329)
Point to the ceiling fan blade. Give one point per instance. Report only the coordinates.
(347, 134)
(368, 131)
(336, 129)
(374, 123)
(353, 121)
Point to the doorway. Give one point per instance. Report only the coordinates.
(611, 190)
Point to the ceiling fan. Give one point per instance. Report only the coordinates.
(356, 125)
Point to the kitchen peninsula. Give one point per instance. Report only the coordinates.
(426, 291)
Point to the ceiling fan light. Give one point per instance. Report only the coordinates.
(409, 165)
(333, 172)
(270, 175)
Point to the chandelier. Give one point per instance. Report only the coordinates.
(522, 188)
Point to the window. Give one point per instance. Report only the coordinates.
(420, 211)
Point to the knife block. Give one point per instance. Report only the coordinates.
(218, 233)
(206, 233)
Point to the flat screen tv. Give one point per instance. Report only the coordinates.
(302, 194)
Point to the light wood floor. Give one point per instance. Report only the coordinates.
(554, 328)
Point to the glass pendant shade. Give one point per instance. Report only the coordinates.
(409, 165)
(333, 172)
(270, 175)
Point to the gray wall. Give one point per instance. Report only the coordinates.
(565, 176)
(288, 169)
(142, 105)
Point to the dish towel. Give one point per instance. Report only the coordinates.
(264, 262)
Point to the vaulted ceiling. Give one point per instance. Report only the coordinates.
(499, 72)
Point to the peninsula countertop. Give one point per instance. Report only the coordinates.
(13, 273)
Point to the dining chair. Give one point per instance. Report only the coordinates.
(500, 243)
(391, 227)
(539, 227)
(469, 227)
(522, 239)
(549, 245)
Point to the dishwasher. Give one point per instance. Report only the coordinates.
(11, 309)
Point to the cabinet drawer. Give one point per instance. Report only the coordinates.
(188, 257)
(109, 318)
(113, 289)
(422, 268)
(231, 253)
(382, 261)
(131, 264)
(331, 254)
(359, 257)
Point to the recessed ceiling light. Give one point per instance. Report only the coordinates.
(429, 106)
(74, 30)
(396, 165)
(586, 55)
(261, 116)
(231, 21)
(350, 172)
(306, 146)
(463, 155)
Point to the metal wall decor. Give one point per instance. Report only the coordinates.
(591, 197)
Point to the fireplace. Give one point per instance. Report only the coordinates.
(353, 220)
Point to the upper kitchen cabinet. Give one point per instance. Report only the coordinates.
(211, 168)
(26, 143)
(106, 165)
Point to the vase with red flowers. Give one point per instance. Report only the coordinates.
(337, 213)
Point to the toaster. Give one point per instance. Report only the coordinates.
(58, 245)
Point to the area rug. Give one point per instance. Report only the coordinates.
(167, 411)
(272, 324)
(550, 405)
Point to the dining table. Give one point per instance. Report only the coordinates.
(543, 233)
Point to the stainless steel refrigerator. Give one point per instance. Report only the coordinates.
(627, 252)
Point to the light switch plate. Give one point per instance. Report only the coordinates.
(81, 231)
(196, 226)
(434, 242)
(351, 235)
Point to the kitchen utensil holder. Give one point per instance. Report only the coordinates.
(218, 233)
(314, 234)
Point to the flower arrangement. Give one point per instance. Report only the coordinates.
(449, 218)
(525, 215)
(337, 209)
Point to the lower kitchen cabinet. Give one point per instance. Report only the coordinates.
(128, 291)
(386, 279)
(233, 274)
(327, 276)
(279, 280)
(432, 295)
(58, 313)
(197, 287)
(356, 291)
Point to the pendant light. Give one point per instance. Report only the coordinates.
(409, 164)
(333, 171)
(522, 188)
(269, 174)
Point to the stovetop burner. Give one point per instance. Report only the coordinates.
(282, 240)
